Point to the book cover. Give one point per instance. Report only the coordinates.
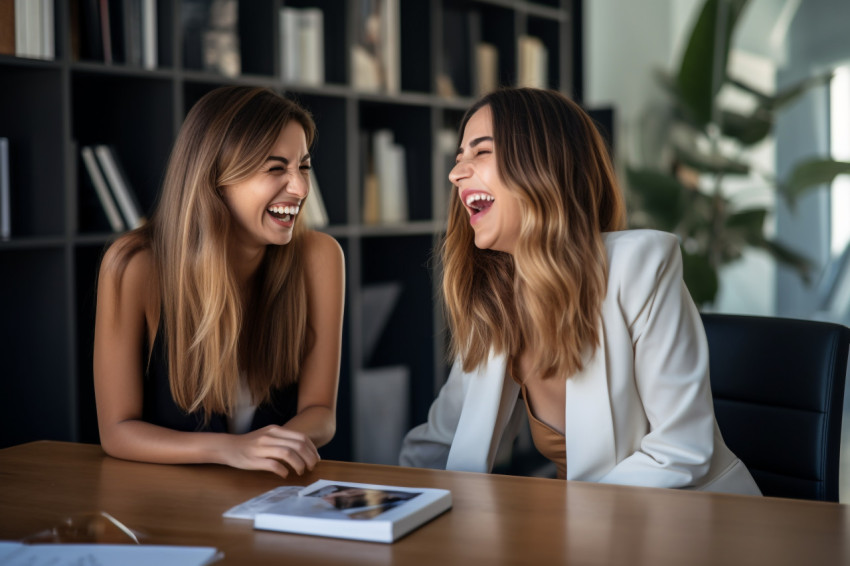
(311, 46)
(106, 31)
(7, 27)
(392, 177)
(117, 180)
(149, 35)
(47, 45)
(533, 62)
(5, 192)
(289, 45)
(358, 511)
(131, 24)
(487, 63)
(102, 190)
(391, 45)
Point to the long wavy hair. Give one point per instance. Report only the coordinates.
(210, 331)
(548, 294)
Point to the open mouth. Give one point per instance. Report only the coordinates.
(478, 203)
(284, 213)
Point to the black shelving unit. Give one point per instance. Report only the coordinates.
(49, 109)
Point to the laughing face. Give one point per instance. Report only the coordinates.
(493, 209)
(266, 204)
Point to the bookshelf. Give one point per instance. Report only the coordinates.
(59, 229)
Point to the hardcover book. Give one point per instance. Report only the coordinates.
(102, 189)
(379, 513)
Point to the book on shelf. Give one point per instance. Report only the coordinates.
(150, 51)
(32, 26)
(533, 62)
(487, 66)
(315, 213)
(302, 45)
(376, 52)
(5, 191)
(7, 27)
(120, 186)
(102, 189)
(391, 173)
(358, 511)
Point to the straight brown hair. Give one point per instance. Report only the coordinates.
(211, 336)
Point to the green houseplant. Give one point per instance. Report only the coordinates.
(706, 146)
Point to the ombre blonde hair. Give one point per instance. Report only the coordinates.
(211, 334)
(546, 296)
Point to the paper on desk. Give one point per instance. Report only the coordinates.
(259, 504)
(17, 554)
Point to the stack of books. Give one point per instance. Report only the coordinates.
(27, 28)
(112, 187)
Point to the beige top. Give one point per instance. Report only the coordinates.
(547, 440)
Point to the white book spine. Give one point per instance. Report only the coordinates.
(392, 181)
(102, 190)
(289, 45)
(5, 191)
(119, 185)
(47, 49)
(20, 28)
(149, 38)
(312, 50)
(391, 46)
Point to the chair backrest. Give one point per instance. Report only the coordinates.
(778, 387)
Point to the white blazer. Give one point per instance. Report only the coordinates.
(639, 413)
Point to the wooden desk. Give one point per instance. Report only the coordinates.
(495, 519)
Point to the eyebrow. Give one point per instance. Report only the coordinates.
(475, 142)
(284, 160)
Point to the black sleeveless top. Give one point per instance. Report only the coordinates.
(160, 409)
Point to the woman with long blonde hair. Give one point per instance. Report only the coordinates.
(559, 314)
(218, 326)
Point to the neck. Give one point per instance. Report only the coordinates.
(245, 263)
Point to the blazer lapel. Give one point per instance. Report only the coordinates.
(481, 422)
(589, 423)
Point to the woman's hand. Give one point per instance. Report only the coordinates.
(272, 448)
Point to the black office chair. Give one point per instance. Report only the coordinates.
(778, 387)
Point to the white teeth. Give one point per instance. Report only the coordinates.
(285, 209)
(478, 196)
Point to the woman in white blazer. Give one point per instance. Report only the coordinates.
(557, 312)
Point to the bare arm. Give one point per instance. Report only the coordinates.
(317, 387)
(121, 323)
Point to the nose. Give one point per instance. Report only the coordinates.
(460, 171)
(298, 185)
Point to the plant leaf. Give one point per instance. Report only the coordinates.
(789, 257)
(786, 96)
(811, 174)
(696, 81)
(748, 130)
(660, 196)
(750, 224)
(700, 277)
(710, 163)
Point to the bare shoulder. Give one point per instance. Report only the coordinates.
(321, 251)
(126, 258)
